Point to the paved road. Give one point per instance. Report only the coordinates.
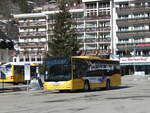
(9, 87)
(132, 97)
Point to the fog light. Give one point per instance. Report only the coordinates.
(68, 85)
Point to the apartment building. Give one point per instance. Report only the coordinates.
(105, 27)
(32, 44)
(95, 28)
(133, 34)
(93, 19)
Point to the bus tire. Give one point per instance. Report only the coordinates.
(15, 83)
(25, 82)
(108, 84)
(87, 86)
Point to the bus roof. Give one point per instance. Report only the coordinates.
(93, 57)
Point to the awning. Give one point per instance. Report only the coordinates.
(135, 63)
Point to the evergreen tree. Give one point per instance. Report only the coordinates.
(23, 4)
(64, 42)
(5, 8)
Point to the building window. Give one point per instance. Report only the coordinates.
(123, 40)
(27, 59)
(123, 5)
(123, 29)
(123, 17)
(91, 5)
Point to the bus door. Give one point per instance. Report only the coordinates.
(18, 73)
(33, 71)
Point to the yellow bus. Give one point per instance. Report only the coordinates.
(14, 72)
(81, 72)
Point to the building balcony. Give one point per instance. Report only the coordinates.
(32, 45)
(143, 46)
(90, 53)
(90, 29)
(90, 40)
(95, 52)
(97, 18)
(80, 30)
(32, 24)
(131, 47)
(125, 47)
(79, 6)
(128, 10)
(93, 18)
(33, 52)
(104, 40)
(106, 29)
(133, 34)
(81, 40)
(104, 52)
(33, 34)
(133, 21)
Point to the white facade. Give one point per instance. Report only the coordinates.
(93, 24)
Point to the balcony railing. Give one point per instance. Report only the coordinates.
(33, 34)
(95, 52)
(32, 45)
(80, 30)
(81, 40)
(129, 47)
(134, 34)
(93, 18)
(127, 10)
(95, 40)
(32, 24)
(106, 29)
(133, 21)
(33, 52)
(104, 52)
(90, 29)
(90, 40)
(104, 40)
(80, 6)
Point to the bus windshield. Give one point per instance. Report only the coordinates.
(59, 69)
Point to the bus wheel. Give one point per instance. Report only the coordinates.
(86, 86)
(108, 84)
(15, 83)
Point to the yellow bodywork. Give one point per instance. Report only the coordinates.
(115, 80)
(63, 86)
(15, 79)
(76, 84)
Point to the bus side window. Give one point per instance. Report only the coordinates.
(79, 68)
(19, 70)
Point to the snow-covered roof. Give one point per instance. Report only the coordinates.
(122, 0)
(103, 0)
(29, 15)
(4, 21)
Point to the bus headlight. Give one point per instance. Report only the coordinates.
(68, 85)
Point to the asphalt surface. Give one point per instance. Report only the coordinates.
(133, 96)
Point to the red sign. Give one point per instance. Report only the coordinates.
(134, 59)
